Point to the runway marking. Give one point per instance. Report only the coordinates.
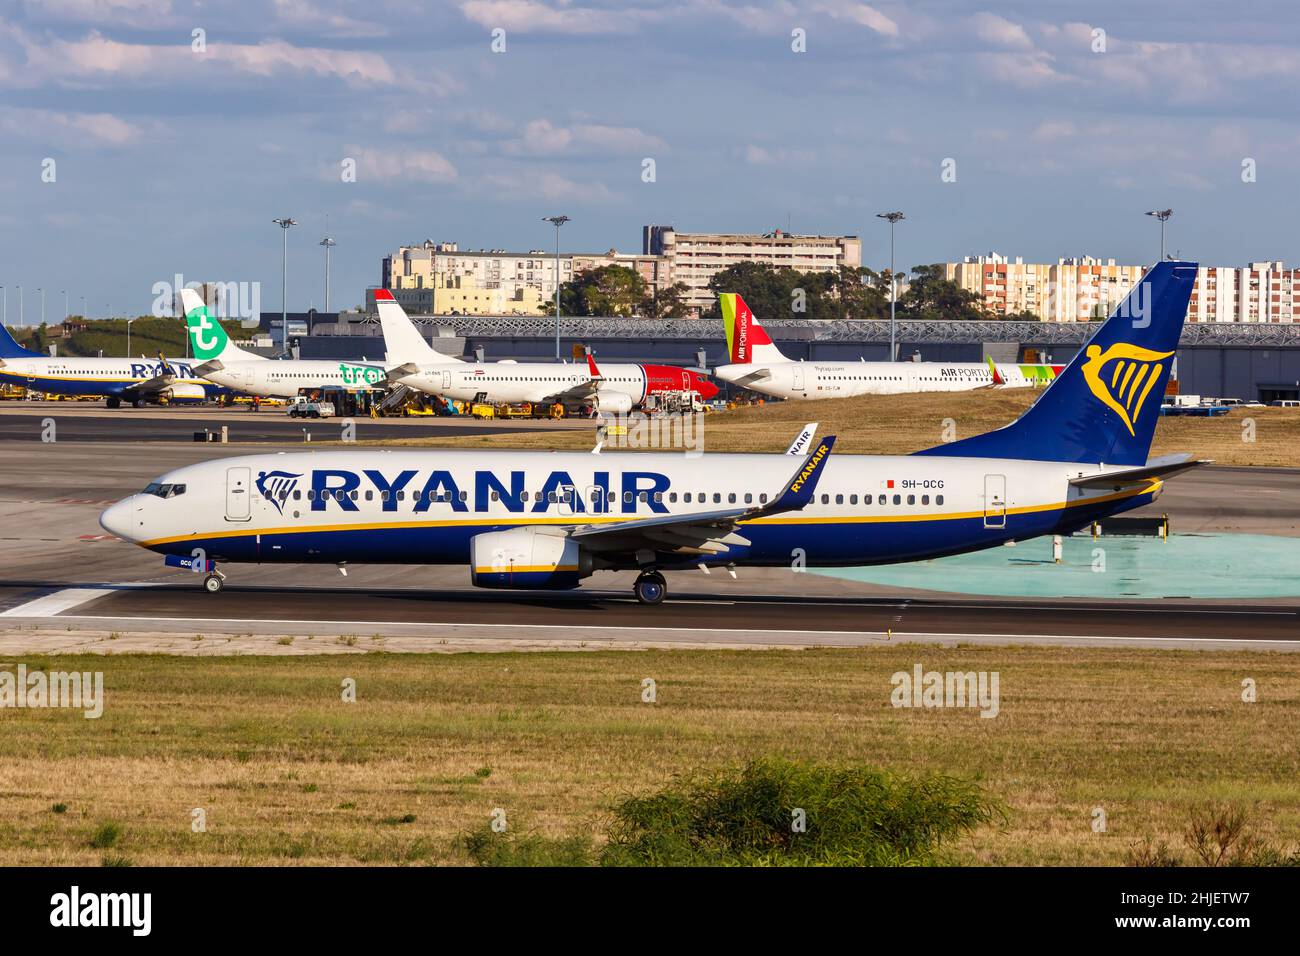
(52, 604)
(635, 627)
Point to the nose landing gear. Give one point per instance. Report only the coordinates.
(650, 588)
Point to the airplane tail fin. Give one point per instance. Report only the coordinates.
(10, 349)
(747, 340)
(1103, 407)
(403, 342)
(208, 339)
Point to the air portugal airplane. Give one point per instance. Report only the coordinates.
(118, 380)
(226, 364)
(759, 366)
(613, 389)
(527, 519)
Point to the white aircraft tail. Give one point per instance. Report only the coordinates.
(403, 342)
(208, 340)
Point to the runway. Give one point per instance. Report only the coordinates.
(62, 577)
(690, 617)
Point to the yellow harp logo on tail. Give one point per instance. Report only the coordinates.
(1125, 384)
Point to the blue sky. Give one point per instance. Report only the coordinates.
(174, 160)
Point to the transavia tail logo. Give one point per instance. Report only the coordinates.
(208, 335)
(276, 487)
(1125, 385)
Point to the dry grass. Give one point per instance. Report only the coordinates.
(901, 424)
(286, 772)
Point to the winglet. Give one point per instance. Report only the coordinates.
(591, 366)
(993, 368)
(800, 488)
(802, 440)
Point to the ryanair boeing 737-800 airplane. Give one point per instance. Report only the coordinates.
(528, 519)
(118, 380)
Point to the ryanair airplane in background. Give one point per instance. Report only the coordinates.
(226, 364)
(760, 366)
(118, 380)
(528, 519)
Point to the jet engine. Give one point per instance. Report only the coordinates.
(527, 558)
(613, 403)
(184, 392)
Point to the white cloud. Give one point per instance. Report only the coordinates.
(541, 137)
(992, 28)
(69, 129)
(387, 165)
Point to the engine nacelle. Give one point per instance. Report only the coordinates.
(526, 558)
(184, 392)
(613, 403)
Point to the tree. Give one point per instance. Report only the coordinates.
(931, 296)
(668, 303)
(608, 290)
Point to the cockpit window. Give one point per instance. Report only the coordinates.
(164, 490)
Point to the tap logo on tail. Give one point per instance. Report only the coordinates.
(276, 487)
(1125, 385)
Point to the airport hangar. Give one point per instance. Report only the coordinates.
(1248, 361)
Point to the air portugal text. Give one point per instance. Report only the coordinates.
(604, 492)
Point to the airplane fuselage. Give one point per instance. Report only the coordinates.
(424, 507)
(101, 376)
(288, 377)
(811, 380)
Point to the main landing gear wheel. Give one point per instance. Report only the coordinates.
(213, 583)
(650, 588)
(137, 403)
(114, 402)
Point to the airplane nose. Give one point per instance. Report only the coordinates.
(705, 387)
(118, 519)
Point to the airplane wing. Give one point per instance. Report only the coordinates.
(758, 375)
(709, 532)
(1165, 466)
(163, 380)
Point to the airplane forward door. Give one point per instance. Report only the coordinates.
(238, 506)
(995, 501)
(798, 377)
(446, 379)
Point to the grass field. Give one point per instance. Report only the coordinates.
(286, 772)
(901, 424)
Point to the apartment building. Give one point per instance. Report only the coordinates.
(693, 258)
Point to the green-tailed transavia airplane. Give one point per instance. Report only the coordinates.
(223, 362)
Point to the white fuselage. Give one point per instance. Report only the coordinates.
(95, 376)
(424, 507)
(811, 380)
(507, 382)
(286, 378)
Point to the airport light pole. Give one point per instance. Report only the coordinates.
(893, 218)
(1163, 215)
(559, 221)
(128, 337)
(65, 304)
(83, 306)
(22, 318)
(4, 291)
(41, 290)
(328, 243)
(284, 223)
